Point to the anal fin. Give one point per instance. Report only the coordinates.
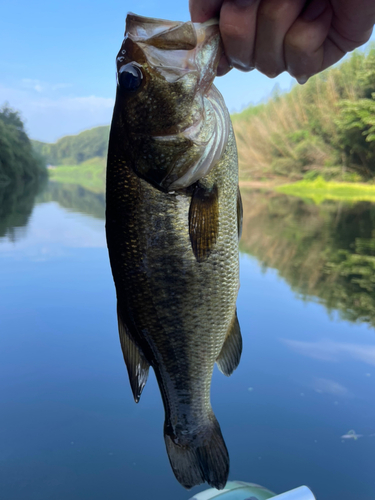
(230, 354)
(135, 360)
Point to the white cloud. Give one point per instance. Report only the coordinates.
(326, 386)
(28, 83)
(90, 103)
(45, 87)
(327, 350)
(48, 118)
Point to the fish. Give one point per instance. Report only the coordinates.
(173, 223)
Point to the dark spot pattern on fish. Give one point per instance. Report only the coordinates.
(171, 224)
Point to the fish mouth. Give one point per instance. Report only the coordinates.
(176, 48)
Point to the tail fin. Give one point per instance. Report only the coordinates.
(202, 458)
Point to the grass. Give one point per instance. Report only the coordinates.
(324, 125)
(319, 190)
(89, 174)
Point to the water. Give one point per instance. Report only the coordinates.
(68, 425)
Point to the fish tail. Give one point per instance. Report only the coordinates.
(200, 456)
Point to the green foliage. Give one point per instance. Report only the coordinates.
(89, 174)
(325, 251)
(325, 126)
(16, 204)
(317, 189)
(75, 149)
(76, 198)
(311, 175)
(356, 128)
(18, 161)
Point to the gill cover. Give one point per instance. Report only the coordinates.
(171, 66)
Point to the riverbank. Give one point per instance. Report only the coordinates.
(89, 174)
(319, 190)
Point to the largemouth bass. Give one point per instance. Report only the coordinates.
(173, 222)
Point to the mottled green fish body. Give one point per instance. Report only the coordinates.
(173, 221)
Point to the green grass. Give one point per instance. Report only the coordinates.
(319, 190)
(89, 174)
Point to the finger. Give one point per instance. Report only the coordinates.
(224, 66)
(353, 22)
(202, 10)
(307, 48)
(275, 17)
(237, 27)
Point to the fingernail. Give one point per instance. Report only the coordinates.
(302, 79)
(314, 10)
(237, 63)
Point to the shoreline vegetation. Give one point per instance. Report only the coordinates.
(325, 127)
(19, 162)
(90, 174)
(22, 173)
(319, 190)
(316, 141)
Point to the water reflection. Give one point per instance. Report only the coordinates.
(16, 204)
(68, 425)
(325, 252)
(75, 198)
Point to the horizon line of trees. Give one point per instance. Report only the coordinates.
(18, 160)
(75, 149)
(325, 127)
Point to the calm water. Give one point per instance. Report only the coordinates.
(69, 428)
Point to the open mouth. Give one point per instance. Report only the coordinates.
(176, 48)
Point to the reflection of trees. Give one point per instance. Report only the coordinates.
(76, 198)
(17, 201)
(16, 204)
(327, 251)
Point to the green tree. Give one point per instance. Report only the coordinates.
(18, 161)
(75, 149)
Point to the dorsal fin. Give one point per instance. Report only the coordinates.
(230, 354)
(135, 360)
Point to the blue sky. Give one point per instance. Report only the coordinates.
(57, 62)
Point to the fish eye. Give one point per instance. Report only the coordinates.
(130, 77)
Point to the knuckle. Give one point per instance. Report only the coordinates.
(273, 10)
(231, 30)
(297, 42)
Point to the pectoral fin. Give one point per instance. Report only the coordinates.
(230, 354)
(203, 221)
(239, 212)
(136, 363)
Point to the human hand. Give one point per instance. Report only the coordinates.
(302, 37)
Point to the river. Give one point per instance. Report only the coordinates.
(300, 409)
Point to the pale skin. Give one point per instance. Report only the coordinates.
(302, 37)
